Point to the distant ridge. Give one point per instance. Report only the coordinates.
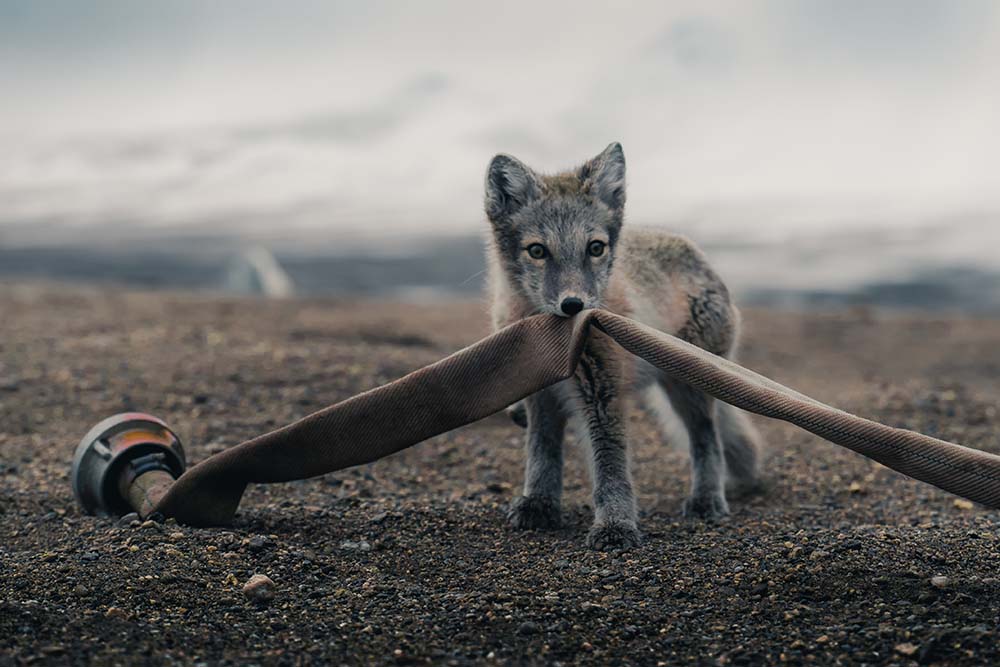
(916, 271)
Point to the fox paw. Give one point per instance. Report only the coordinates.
(532, 512)
(613, 536)
(706, 508)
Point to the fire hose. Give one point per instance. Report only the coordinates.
(134, 462)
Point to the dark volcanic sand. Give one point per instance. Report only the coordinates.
(410, 560)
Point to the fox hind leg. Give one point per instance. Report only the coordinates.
(518, 414)
(697, 410)
(742, 448)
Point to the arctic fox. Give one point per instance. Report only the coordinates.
(558, 247)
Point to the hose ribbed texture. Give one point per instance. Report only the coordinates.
(516, 362)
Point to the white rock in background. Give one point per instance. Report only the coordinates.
(256, 271)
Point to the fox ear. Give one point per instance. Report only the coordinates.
(604, 177)
(510, 184)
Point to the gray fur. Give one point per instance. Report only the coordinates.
(742, 448)
(604, 178)
(539, 506)
(697, 411)
(564, 213)
(598, 401)
(518, 414)
(510, 185)
(664, 281)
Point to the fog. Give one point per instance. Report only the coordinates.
(770, 119)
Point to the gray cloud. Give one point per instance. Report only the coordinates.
(697, 43)
(383, 115)
(364, 124)
(899, 34)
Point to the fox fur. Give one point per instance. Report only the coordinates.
(558, 245)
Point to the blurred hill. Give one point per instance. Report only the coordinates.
(427, 269)
(948, 266)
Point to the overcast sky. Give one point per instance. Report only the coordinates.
(259, 115)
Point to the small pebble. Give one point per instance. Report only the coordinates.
(360, 545)
(257, 543)
(128, 520)
(940, 581)
(528, 628)
(259, 588)
(114, 612)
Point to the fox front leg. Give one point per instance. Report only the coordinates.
(602, 411)
(540, 505)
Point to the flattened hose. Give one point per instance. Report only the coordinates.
(516, 362)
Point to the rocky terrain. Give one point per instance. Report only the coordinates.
(410, 560)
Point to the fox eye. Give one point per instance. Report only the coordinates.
(538, 251)
(596, 248)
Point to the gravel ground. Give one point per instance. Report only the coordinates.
(409, 561)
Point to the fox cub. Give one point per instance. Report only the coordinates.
(558, 247)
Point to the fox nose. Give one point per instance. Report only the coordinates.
(571, 305)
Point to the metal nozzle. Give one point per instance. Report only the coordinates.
(125, 464)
